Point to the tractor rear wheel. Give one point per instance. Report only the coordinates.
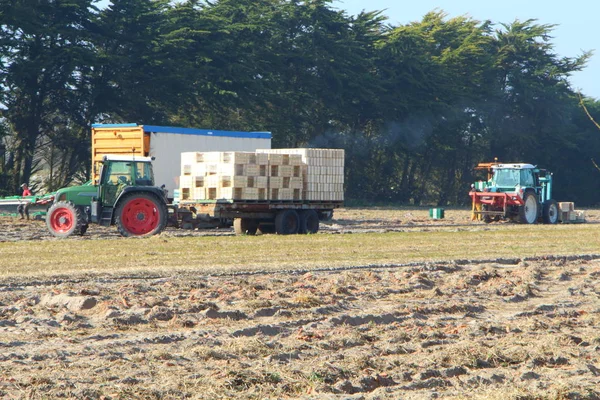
(64, 219)
(245, 226)
(287, 222)
(528, 212)
(141, 214)
(550, 212)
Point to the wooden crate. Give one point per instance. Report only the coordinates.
(237, 157)
(186, 181)
(199, 194)
(226, 181)
(566, 206)
(250, 194)
(231, 193)
(275, 182)
(286, 171)
(261, 182)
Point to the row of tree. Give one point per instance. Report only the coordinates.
(415, 106)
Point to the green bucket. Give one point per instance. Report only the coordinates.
(436, 213)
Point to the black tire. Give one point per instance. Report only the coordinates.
(529, 212)
(287, 222)
(141, 214)
(245, 226)
(550, 212)
(309, 222)
(484, 217)
(63, 219)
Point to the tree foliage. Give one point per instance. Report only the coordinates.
(415, 106)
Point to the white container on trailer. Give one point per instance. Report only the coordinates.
(166, 143)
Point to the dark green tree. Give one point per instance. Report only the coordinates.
(43, 45)
(527, 117)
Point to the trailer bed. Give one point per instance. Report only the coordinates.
(255, 208)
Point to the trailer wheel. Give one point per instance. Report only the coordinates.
(64, 219)
(287, 222)
(141, 214)
(309, 221)
(245, 226)
(550, 212)
(528, 212)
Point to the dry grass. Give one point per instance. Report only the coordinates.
(219, 254)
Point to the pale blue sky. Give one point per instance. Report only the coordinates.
(578, 23)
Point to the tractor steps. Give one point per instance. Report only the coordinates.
(106, 217)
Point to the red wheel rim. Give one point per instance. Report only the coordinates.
(62, 220)
(140, 216)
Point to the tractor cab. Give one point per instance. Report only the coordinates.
(507, 177)
(520, 177)
(119, 172)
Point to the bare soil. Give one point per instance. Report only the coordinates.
(524, 329)
(350, 220)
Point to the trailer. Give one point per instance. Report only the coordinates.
(250, 217)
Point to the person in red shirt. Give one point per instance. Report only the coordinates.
(23, 208)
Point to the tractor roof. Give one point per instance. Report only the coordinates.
(513, 166)
(116, 157)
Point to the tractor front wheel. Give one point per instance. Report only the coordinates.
(141, 214)
(64, 219)
(550, 212)
(528, 212)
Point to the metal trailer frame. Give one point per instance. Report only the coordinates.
(224, 212)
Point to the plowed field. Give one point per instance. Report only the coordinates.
(504, 328)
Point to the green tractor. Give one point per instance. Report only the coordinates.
(517, 191)
(125, 196)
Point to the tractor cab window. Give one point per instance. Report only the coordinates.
(527, 178)
(118, 173)
(143, 174)
(507, 177)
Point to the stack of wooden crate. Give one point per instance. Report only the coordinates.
(273, 174)
(285, 176)
(322, 172)
(568, 213)
(223, 175)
